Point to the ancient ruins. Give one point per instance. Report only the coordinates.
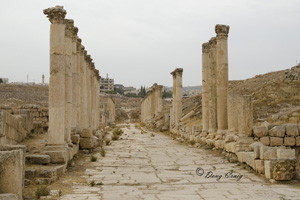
(61, 137)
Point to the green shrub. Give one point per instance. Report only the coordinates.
(102, 152)
(42, 191)
(93, 158)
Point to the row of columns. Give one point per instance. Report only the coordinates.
(176, 109)
(151, 105)
(74, 81)
(215, 81)
(222, 111)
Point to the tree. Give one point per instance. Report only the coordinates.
(167, 94)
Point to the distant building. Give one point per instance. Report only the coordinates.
(119, 86)
(4, 80)
(130, 90)
(106, 84)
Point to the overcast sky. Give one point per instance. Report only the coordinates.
(139, 42)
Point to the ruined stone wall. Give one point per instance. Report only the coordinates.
(14, 128)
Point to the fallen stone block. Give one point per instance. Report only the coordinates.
(43, 181)
(48, 173)
(268, 169)
(57, 156)
(283, 170)
(289, 141)
(38, 159)
(260, 131)
(276, 141)
(286, 154)
(298, 141)
(7, 196)
(30, 173)
(220, 144)
(86, 143)
(277, 131)
(265, 140)
(256, 149)
(259, 165)
(86, 133)
(75, 139)
(292, 129)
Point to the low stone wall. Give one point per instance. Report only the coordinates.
(272, 150)
(14, 128)
(40, 117)
(278, 135)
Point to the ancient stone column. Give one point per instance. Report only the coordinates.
(159, 98)
(153, 100)
(177, 95)
(88, 91)
(233, 112)
(98, 99)
(245, 124)
(222, 75)
(79, 80)
(43, 79)
(56, 133)
(205, 87)
(212, 86)
(75, 81)
(83, 89)
(245, 119)
(68, 78)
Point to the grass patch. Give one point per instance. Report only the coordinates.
(152, 135)
(42, 191)
(93, 158)
(193, 142)
(107, 142)
(102, 152)
(115, 137)
(92, 183)
(117, 131)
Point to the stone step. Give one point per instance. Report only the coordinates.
(37, 159)
(8, 196)
(43, 175)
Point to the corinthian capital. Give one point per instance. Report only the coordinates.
(213, 42)
(56, 14)
(205, 47)
(222, 30)
(78, 44)
(69, 27)
(74, 35)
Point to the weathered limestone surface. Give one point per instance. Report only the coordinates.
(213, 85)
(107, 110)
(57, 95)
(177, 96)
(151, 105)
(12, 169)
(205, 86)
(222, 75)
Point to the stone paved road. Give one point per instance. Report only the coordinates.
(147, 166)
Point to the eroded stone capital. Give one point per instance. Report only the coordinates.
(205, 47)
(56, 14)
(74, 35)
(78, 44)
(222, 30)
(69, 28)
(177, 71)
(213, 42)
(88, 58)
